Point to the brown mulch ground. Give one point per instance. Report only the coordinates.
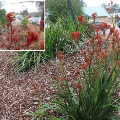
(17, 96)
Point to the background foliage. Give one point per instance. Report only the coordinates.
(58, 8)
(3, 19)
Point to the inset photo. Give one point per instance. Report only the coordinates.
(22, 25)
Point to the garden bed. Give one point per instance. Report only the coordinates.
(17, 95)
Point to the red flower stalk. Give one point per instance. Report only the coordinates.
(18, 31)
(34, 86)
(32, 37)
(91, 41)
(84, 52)
(60, 55)
(97, 30)
(77, 85)
(103, 55)
(15, 39)
(116, 33)
(111, 30)
(94, 15)
(88, 59)
(81, 18)
(105, 25)
(83, 66)
(10, 16)
(13, 31)
(75, 36)
(114, 39)
(99, 41)
(115, 49)
(8, 38)
(91, 27)
(55, 77)
(63, 79)
(28, 17)
(8, 25)
(42, 25)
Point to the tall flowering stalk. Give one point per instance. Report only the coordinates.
(10, 16)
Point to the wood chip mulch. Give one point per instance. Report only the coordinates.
(17, 96)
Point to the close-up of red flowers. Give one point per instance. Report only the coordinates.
(10, 16)
(60, 55)
(94, 15)
(75, 36)
(21, 32)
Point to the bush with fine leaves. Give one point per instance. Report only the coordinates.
(58, 8)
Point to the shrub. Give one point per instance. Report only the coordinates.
(60, 8)
(27, 59)
(24, 22)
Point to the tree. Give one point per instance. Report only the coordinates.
(2, 13)
(59, 8)
(3, 19)
(40, 7)
(24, 13)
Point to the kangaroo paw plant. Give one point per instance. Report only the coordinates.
(94, 95)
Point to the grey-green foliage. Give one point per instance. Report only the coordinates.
(24, 22)
(58, 8)
(3, 19)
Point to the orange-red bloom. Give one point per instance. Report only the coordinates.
(94, 15)
(63, 79)
(75, 36)
(83, 66)
(91, 27)
(42, 25)
(77, 85)
(81, 19)
(15, 39)
(111, 30)
(34, 86)
(32, 37)
(10, 16)
(84, 52)
(60, 55)
(28, 16)
(103, 54)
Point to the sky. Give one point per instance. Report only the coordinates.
(19, 6)
(96, 3)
